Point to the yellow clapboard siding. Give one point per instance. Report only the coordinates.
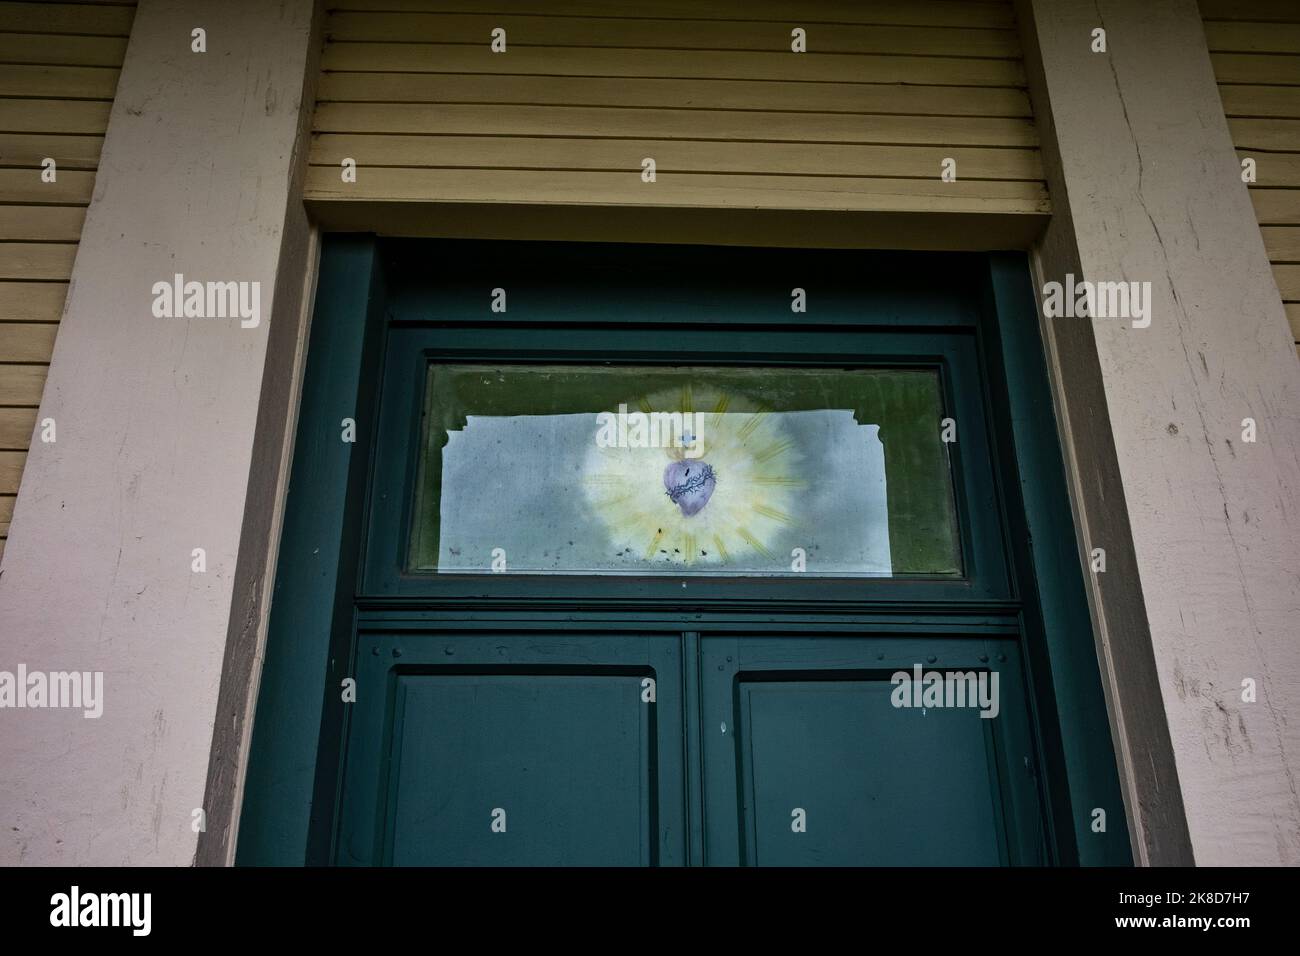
(59, 67)
(22, 384)
(1256, 68)
(1288, 281)
(6, 517)
(1279, 101)
(60, 82)
(62, 50)
(733, 119)
(31, 149)
(27, 341)
(1282, 243)
(37, 260)
(1277, 207)
(11, 471)
(685, 94)
(52, 17)
(25, 186)
(1261, 98)
(1293, 316)
(54, 116)
(41, 223)
(1225, 37)
(30, 302)
(670, 124)
(16, 425)
(1276, 10)
(370, 151)
(683, 189)
(1266, 134)
(1274, 169)
(956, 13)
(569, 61)
(664, 34)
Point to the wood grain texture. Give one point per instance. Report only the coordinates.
(41, 223)
(37, 260)
(1266, 134)
(1282, 243)
(68, 151)
(1277, 207)
(31, 302)
(11, 471)
(1288, 281)
(1273, 170)
(1256, 68)
(1257, 100)
(21, 384)
(16, 425)
(72, 187)
(60, 82)
(27, 341)
(54, 116)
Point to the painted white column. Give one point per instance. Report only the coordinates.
(1147, 187)
(155, 453)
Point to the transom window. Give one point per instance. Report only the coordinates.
(587, 469)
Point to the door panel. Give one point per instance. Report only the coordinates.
(521, 749)
(563, 761)
(809, 756)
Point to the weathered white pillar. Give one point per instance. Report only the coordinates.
(156, 454)
(1201, 524)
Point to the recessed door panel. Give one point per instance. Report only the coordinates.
(835, 775)
(514, 750)
(512, 769)
(818, 753)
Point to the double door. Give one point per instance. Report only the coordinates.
(557, 746)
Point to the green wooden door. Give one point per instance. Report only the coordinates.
(804, 629)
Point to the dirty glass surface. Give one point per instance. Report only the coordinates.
(701, 470)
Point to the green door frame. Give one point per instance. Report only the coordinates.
(416, 291)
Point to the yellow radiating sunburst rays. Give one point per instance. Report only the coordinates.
(755, 464)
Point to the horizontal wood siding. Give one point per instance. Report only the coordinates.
(709, 89)
(59, 64)
(1256, 52)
